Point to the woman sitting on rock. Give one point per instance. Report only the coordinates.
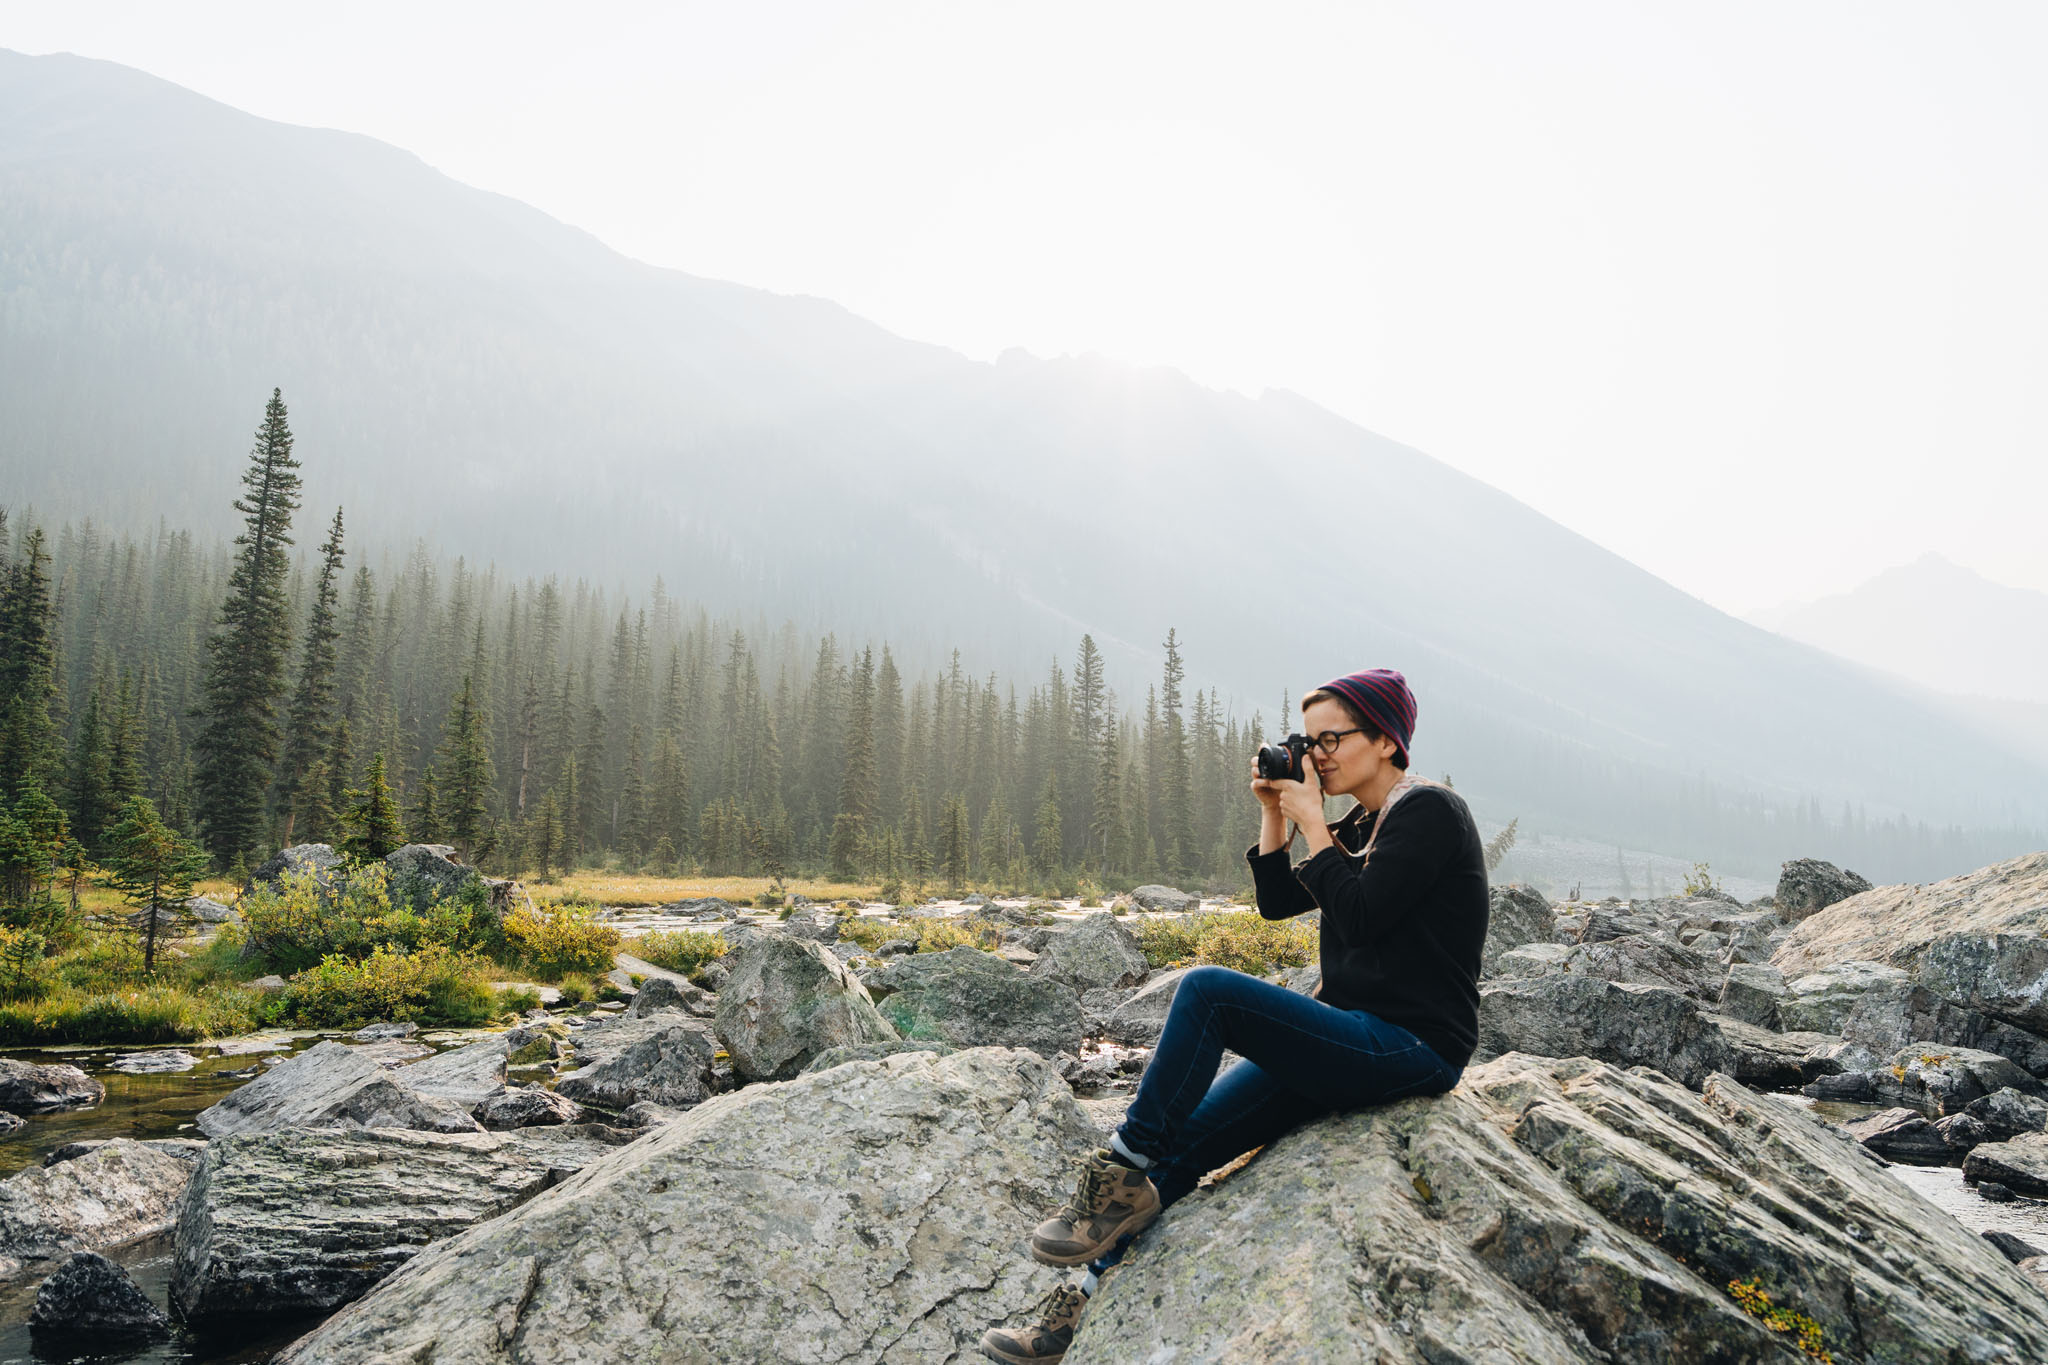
(1401, 882)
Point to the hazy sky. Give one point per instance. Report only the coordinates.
(1754, 294)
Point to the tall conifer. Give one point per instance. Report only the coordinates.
(309, 724)
(246, 654)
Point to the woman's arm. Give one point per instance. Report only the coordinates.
(1417, 842)
(1279, 895)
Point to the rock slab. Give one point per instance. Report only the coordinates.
(1581, 1016)
(872, 1212)
(1098, 951)
(964, 997)
(26, 1088)
(305, 1220)
(332, 1086)
(1560, 1211)
(118, 1191)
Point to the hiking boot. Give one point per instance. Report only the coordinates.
(1044, 1340)
(1111, 1201)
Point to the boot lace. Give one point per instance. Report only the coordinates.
(1059, 1307)
(1095, 1179)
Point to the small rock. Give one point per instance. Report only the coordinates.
(208, 911)
(897, 947)
(1164, 899)
(318, 859)
(2013, 1248)
(378, 1033)
(1097, 951)
(269, 985)
(92, 1297)
(26, 1088)
(1995, 1192)
(1751, 993)
(2006, 1112)
(787, 1000)
(526, 1107)
(153, 1063)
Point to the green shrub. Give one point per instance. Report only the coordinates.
(519, 999)
(221, 960)
(299, 923)
(553, 941)
(101, 963)
(1806, 1334)
(681, 950)
(575, 989)
(1238, 939)
(432, 986)
(25, 972)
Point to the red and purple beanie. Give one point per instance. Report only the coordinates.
(1381, 695)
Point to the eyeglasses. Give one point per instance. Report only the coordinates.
(1328, 740)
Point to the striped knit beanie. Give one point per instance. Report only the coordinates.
(1381, 695)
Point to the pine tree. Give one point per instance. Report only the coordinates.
(246, 653)
(153, 867)
(1048, 849)
(466, 775)
(1176, 794)
(632, 818)
(374, 830)
(309, 725)
(86, 781)
(29, 750)
(859, 785)
(423, 816)
(34, 837)
(1107, 836)
(953, 843)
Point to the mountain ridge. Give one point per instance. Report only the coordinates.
(465, 368)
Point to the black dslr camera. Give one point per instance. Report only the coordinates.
(1283, 758)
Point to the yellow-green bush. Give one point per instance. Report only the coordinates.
(1238, 939)
(575, 989)
(555, 940)
(299, 922)
(434, 985)
(681, 950)
(25, 972)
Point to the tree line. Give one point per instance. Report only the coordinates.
(259, 699)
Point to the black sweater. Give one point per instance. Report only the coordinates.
(1402, 934)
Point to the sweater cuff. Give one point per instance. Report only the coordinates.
(1261, 862)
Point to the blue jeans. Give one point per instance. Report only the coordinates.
(1302, 1059)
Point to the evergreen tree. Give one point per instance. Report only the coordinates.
(338, 771)
(465, 759)
(35, 837)
(1107, 835)
(153, 867)
(1176, 794)
(953, 843)
(309, 726)
(423, 817)
(633, 817)
(859, 784)
(86, 782)
(29, 750)
(1048, 849)
(371, 819)
(246, 654)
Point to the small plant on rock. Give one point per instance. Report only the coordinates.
(1806, 1334)
(1701, 881)
(687, 951)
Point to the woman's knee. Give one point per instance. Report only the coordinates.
(1200, 983)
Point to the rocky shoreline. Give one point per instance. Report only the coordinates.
(814, 1152)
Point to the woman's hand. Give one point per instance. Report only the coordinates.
(1302, 802)
(1267, 792)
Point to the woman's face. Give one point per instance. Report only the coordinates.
(1357, 761)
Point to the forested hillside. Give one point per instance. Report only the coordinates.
(471, 375)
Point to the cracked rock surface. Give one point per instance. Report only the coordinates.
(872, 1212)
(304, 1220)
(117, 1191)
(1560, 1211)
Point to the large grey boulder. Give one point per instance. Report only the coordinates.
(964, 997)
(1098, 951)
(527, 1107)
(671, 1068)
(1581, 1016)
(1560, 1211)
(2008, 1113)
(1164, 899)
(2020, 1164)
(464, 1076)
(118, 1191)
(90, 1300)
(1820, 1001)
(1139, 1021)
(1903, 1135)
(1647, 960)
(1766, 1060)
(1518, 915)
(330, 1085)
(1896, 924)
(1895, 1016)
(207, 910)
(428, 872)
(304, 1220)
(26, 1088)
(1533, 959)
(320, 860)
(872, 1212)
(2000, 974)
(785, 1001)
(672, 993)
(1806, 886)
(1751, 992)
